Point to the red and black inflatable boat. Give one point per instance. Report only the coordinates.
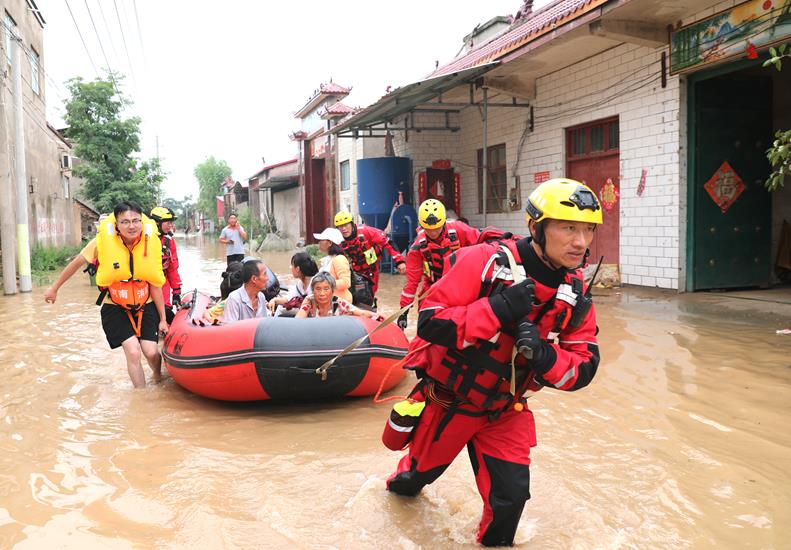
(277, 358)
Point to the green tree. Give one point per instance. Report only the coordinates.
(210, 175)
(104, 142)
(183, 209)
(779, 155)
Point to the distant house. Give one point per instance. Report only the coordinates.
(275, 198)
(89, 218)
(317, 155)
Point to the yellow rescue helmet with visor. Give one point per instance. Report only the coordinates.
(563, 199)
(162, 214)
(431, 214)
(342, 218)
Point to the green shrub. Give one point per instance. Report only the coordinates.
(51, 258)
(313, 250)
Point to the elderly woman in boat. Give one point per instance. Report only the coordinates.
(322, 303)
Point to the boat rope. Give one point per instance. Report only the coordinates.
(399, 364)
(322, 370)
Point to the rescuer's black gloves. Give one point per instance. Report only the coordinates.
(513, 303)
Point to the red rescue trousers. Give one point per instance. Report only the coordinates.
(499, 451)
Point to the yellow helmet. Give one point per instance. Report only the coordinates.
(431, 214)
(563, 199)
(162, 214)
(342, 218)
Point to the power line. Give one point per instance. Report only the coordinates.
(123, 37)
(84, 45)
(101, 47)
(139, 34)
(109, 34)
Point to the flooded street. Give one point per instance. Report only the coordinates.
(681, 441)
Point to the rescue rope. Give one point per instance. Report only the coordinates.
(518, 278)
(399, 363)
(322, 370)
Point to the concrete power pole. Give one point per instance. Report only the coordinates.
(7, 219)
(22, 231)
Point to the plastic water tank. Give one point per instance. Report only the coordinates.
(403, 226)
(378, 182)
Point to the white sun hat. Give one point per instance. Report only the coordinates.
(330, 234)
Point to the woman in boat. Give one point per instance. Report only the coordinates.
(335, 263)
(322, 303)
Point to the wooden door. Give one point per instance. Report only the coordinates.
(594, 159)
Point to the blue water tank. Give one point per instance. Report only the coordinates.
(403, 226)
(378, 182)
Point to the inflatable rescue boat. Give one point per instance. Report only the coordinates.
(277, 358)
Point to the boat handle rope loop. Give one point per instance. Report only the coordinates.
(322, 370)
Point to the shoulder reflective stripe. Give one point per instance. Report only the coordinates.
(430, 308)
(407, 295)
(466, 344)
(571, 373)
(494, 338)
(566, 294)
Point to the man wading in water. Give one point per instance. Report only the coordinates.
(133, 309)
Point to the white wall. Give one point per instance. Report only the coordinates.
(622, 81)
(287, 210)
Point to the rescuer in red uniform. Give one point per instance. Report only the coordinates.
(508, 318)
(437, 239)
(363, 246)
(171, 290)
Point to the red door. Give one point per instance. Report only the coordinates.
(593, 158)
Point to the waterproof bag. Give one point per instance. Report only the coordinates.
(401, 424)
(362, 290)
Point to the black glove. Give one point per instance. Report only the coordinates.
(528, 342)
(402, 320)
(513, 303)
(176, 299)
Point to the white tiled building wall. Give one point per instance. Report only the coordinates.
(623, 81)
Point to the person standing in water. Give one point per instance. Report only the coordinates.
(133, 309)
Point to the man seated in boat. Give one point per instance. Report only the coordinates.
(248, 301)
(321, 302)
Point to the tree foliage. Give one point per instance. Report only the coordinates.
(183, 209)
(779, 155)
(104, 142)
(210, 175)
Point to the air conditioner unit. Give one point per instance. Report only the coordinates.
(65, 162)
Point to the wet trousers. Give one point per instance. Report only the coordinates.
(500, 455)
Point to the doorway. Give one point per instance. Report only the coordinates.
(593, 157)
(730, 211)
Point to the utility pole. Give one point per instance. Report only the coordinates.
(22, 233)
(7, 220)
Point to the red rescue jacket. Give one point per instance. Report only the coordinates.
(470, 351)
(170, 266)
(364, 250)
(426, 257)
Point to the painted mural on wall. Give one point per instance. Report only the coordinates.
(737, 32)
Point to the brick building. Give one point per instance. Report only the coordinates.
(587, 89)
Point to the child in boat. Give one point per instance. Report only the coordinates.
(303, 267)
(231, 280)
(321, 302)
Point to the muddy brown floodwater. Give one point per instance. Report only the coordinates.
(681, 441)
